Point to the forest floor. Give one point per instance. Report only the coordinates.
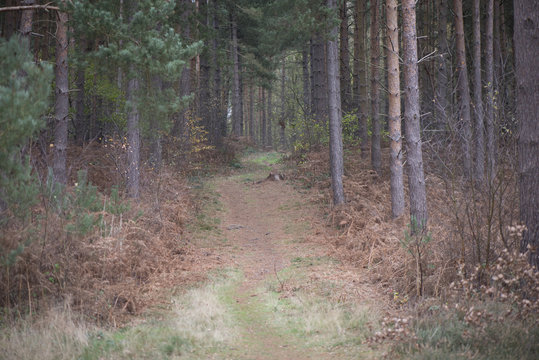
(278, 293)
(284, 296)
(264, 271)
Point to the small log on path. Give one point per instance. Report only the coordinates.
(272, 177)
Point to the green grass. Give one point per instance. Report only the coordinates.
(265, 158)
(197, 325)
(447, 335)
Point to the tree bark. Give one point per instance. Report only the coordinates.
(360, 75)
(527, 102)
(416, 176)
(393, 81)
(478, 96)
(489, 79)
(156, 148)
(251, 112)
(180, 128)
(319, 101)
(27, 18)
(376, 151)
(236, 100)
(61, 106)
(344, 58)
(306, 82)
(133, 139)
(270, 119)
(442, 103)
(465, 123)
(335, 129)
(263, 124)
(282, 121)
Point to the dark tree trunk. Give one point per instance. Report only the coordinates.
(306, 82)
(442, 103)
(478, 95)
(133, 139)
(335, 130)
(489, 80)
(80, 117)
(416, 177)
(27, 18)
(240, 76)
(282, 121)
(263, 115)
(376, 151)
(393, 81)
(270, 119)
(180, 128)
(236, 99)
(527, 102)
(251, 112)
(156, 149)
(344, 58)
(360, 76)
(319, 81)
(61, 106)
(465, 122)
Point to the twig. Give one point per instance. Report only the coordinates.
(45, 7)
(277, 276)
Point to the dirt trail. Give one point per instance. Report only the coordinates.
(263, 222)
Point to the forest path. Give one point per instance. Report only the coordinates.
(280, 308)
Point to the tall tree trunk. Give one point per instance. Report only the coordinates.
(465, 123)
(489, 79)
(240, 76)
(180, 128)
(204, 87)
(61, 106)
(27, 19)
(393, 82)
(220, 107)
(133, 139)
(527, 102)
(376, 151)
(156, 149)
(263, 124)
(478, 95)
(80, 117)
(270, 119)
(360, 75)
(335, 129)
(345, 58)
(442, 103)
(251, 112)
(306, 82)
(416, 177)
(282, 121)
(236, 99)
(319, 81)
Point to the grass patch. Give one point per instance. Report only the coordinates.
(319, 322)
(56, 335)
(196, 326)
(205, 225)
(453, 334)
(266, 158)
